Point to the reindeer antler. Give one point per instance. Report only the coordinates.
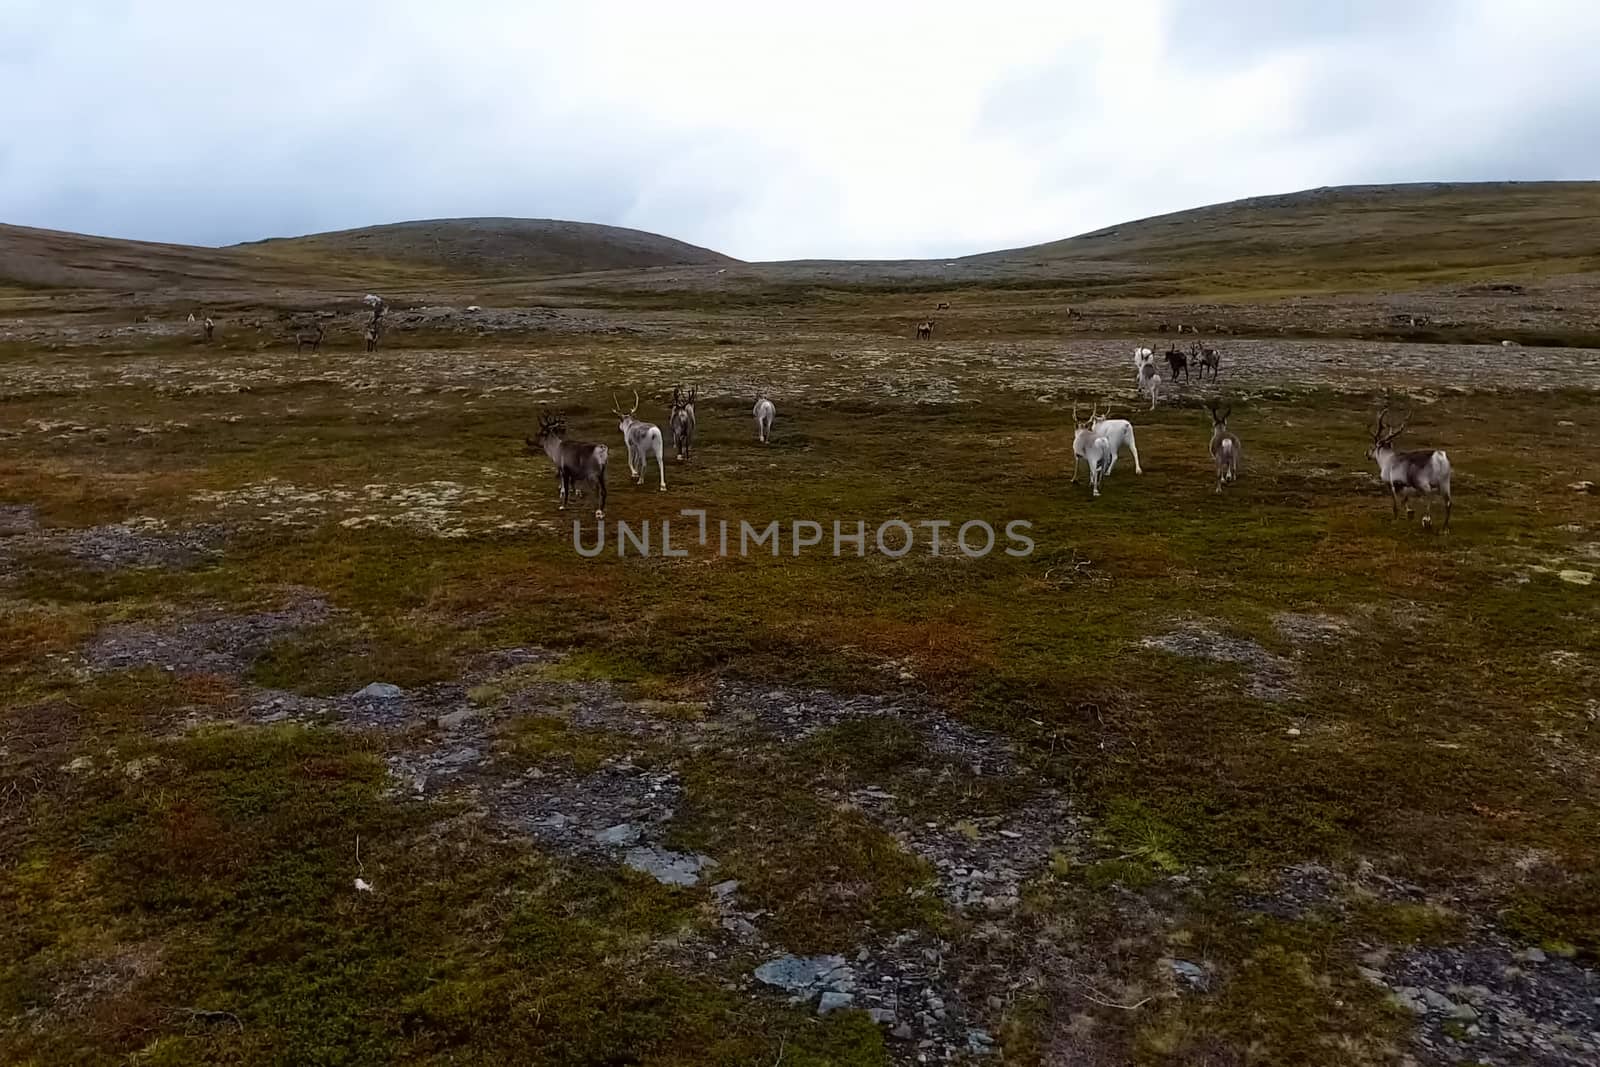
(635, 401)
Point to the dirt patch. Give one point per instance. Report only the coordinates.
(1269, 676)
(207, 642)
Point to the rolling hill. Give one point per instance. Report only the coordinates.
(488, 248)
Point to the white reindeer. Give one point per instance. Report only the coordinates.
(642, 439)
(1407, 474)
(1117, 432)
(764, 413)
(1089, 446)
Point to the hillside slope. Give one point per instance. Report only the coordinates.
(492, 247)
(1381, 228)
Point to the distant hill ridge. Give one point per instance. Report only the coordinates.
(1357, 234)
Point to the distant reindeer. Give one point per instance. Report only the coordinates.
(643, 439)
(944, 305)
(1074, 313)
(373, 332)
(682, 421)
(1205, 358)
(925, 330)
(764, 413)
(1088, 446)
(1224, 445)
(1164, 327)
(312, 337)
(210, 328)
(191, 318)
(1178, 362)
(574, 462)
(1147, 379)
(1117, 432)
(1407, 474)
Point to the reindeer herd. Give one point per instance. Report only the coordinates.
(1098, 440)
(585, 464)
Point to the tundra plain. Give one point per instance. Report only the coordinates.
(319, 743)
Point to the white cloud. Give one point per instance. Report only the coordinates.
(836, 129)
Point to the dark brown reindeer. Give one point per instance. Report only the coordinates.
(210, 328)
(682, 422)
(1178, 362)
(312, 337)
(1407, 474)
(574, 462)
(1205, 358)
(373, 332)
(944, 305)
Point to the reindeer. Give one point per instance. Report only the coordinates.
(1177, 361)
(764, 413)
(642, 438)
(943, 305)
(312, 337)
(1147, 380)
(925, 330)
(1205, 357)
(1224, 445)
(1117, 432)
(1088, 446)
(1421, 473)
(373, 331)
(191, 318)
(210, 327)
(682, 421)
(574, 462)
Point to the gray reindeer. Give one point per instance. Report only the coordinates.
(1407, 474)
(642, 438)
(682, 422)
(1206, 358)
(1224, 445)
(312, 337)
(210, 328)
(574, 462)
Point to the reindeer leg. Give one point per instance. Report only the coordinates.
(661, 468)
(600, 491)
(1076, 459)
(1134, 448)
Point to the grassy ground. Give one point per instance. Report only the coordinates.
(1421, 704)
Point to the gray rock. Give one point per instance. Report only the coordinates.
(380, 691)
(799, 973)
(724, 890)
(980, 1042)
(902, 1032)
(1409, 999)
(456, 718)
(881, 1016)
(1192, 973)
(621, 834)
(831, 1001)
(1375, 977)
(1532, 955)
(668, 868)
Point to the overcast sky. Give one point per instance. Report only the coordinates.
(859, 129)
